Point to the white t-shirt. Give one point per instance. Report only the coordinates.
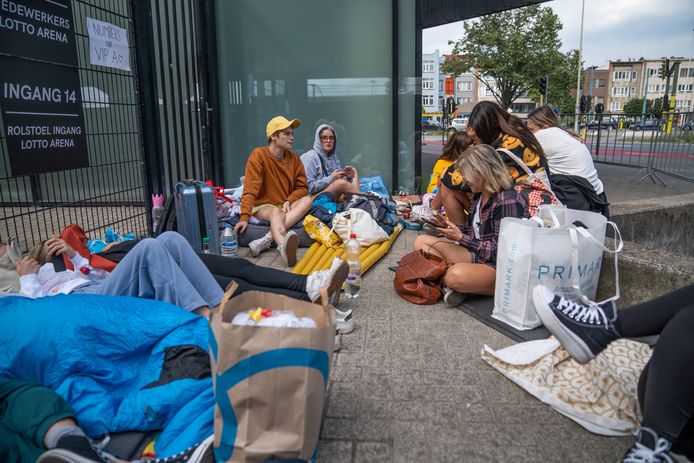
(477, 220)
(568, 156)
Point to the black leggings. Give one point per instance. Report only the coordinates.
(251, 277)
(666, 386)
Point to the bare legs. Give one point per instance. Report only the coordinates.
(455, 203)
(463, 276)
(280, 221)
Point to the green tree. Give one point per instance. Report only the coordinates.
(515, 48)
(634, 107)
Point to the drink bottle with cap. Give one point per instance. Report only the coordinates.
(229, 242)
(352, 252)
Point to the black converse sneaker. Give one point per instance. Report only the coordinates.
(648, 448)
(201, 453)
(72, 449)
(584, 331)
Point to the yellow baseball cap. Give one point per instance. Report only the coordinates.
(280, 123)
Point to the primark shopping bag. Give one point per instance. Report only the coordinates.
(559, 248)
(269, 382)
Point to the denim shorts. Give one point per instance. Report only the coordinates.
(474, 258)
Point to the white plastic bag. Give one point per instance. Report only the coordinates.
(359, 222)
(565, 257)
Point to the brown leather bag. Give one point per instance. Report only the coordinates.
(419, 276)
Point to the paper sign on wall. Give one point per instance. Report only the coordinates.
(108, 45)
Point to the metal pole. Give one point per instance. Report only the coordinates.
(645, 95)
(578, 71)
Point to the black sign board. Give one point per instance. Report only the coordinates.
(42, 114)
(38, 29)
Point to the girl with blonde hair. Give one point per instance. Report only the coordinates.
(471, 248)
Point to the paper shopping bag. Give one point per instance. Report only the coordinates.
(269, 382)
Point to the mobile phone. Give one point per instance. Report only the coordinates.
(437, 221)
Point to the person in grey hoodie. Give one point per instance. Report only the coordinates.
(323, 170)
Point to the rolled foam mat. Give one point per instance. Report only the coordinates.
(319, 256)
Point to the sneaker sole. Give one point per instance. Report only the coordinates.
(454, 299)
(574, 345)
(335, 285)
(291, 244)
(345, 327)
(62, 456)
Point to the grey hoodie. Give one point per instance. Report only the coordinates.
(318, 164)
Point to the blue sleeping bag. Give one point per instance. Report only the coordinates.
(106, 357)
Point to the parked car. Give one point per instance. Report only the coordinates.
(605, 124)
(431, 125)
(459, 123)
(645, 125)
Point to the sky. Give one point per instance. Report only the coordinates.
(613, 29)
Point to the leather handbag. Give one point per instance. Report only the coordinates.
(418, 278)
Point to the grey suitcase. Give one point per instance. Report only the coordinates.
(196, 214)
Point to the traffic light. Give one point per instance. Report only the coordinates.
(543, 86)
(660, 73)
(583, 106)
(454, 106)
(589, 103)
(663, 71)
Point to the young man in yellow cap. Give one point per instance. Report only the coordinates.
(275, 190)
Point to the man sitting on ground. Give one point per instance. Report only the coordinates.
(275, 190)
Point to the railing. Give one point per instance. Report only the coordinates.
(111, 190)
(664, 145)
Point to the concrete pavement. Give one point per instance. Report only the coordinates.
(409, 383)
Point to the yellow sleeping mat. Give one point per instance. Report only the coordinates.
(319, 256)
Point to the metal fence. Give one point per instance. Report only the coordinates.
(111, 191)
(145, 129)
(646, 143)
(173, 59)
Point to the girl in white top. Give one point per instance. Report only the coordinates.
(566, 153)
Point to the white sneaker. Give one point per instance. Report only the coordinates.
(261, 244)
(288, 247)
(453, 298)
(345, 322)
(331, 279)
(338, 342)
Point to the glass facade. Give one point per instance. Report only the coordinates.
(326, 61)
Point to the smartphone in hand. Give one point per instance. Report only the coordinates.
(436, 220)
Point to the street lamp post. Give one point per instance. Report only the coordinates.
(578, 72)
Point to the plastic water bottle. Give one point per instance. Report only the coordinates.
(229, 243)
(206, 245)
(352, 251)
(94, 274)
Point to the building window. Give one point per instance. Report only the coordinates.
(632, 91)
(682, 105)
(652, 72)
(684, 72)
(602, 82)
(653, 88)
(684, 88)
(624, 75)
(427, 100)
(464, 86)
(427, 66)
(616, 106)
(427, 84)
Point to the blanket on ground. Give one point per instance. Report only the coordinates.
(122, 363)
(600, 395)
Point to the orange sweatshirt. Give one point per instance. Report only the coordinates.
(272, 181)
